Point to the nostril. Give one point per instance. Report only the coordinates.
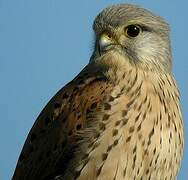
(109, 36)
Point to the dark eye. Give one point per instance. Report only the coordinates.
(132, 30)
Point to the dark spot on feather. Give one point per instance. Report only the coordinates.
(103, 92)
(47, 121)
(131, 129)
(104, 156)
(175, 127)
(63, 143)
(124, 112)
(134, 150)
(138, 171)
(161, 127)
(111, 99)
(95, 145)
(81, 82)
(146, 152)
(102, 126)
(130, 103)
(130, 71)
(91, 97)
(94, 105)
(160, 99)
(151, 162)
(107, 106)
(118, 95)
(106, 117)
(70, 133)
(33, 137)
(128, 139)
(88, 111)
(124, 172)
(75, 89)
(57, 105)
(117, 123)
(134, 160)
(31, 149)
(40, 158)
(85, 156)
(48, 153)
(150, 109)
(78, 127)
(139, 107)
(125, 120)
(42, 131)
(99, 171)
(149, 178)
(143, 142)
(116, 142)
(139, 136)
(144, 116)
(151, 133)
(156, 159)
(90, 145)
(135, 79)
(139, 127)
(123, 76)
(79, 116)
(137, 117)
(114, 132)
(65, 96)
(63, 120)
(123, 88)
(145, 100)
(77, 174)
(109, 148)
(55, 147)
(97, 134)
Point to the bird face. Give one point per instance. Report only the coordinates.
(135, 34)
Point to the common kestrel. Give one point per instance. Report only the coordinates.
(119, 119)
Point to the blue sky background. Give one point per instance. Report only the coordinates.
(45, 43)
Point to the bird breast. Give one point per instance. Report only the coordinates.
(140, 131)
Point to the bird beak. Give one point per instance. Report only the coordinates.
(105, 42)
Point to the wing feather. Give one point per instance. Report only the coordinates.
(51, 141)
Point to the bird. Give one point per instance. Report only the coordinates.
(120, 117)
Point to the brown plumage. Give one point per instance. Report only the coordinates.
(120, 117)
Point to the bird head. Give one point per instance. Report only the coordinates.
(130, 34)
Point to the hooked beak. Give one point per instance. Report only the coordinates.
(105, 43)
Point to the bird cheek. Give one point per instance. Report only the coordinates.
(122, 39)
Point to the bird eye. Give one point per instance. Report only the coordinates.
(132, 31)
